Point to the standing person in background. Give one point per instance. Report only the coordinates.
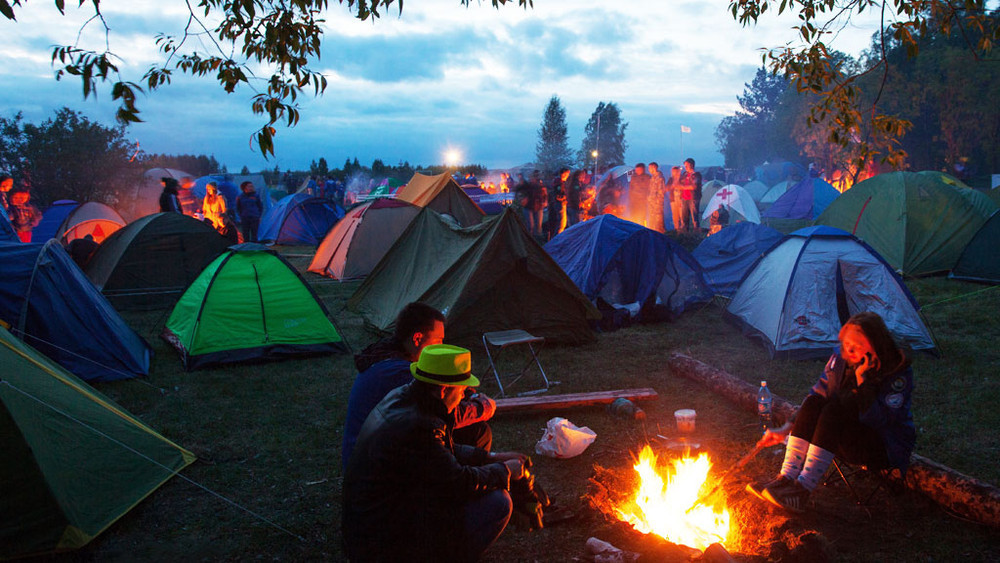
(250, 208)
(657, 191)
(691, 193)
(24, 216)
(674, 195)
(638, 194)
(185, 195)
(558, 204)
(169, 202)
(6, 184)
(573, 195)
(214, 206)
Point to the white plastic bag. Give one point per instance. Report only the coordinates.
(563, 439)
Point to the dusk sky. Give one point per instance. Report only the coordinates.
(439, 76)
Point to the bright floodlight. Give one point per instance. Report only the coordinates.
(452, 157)
(593, 153)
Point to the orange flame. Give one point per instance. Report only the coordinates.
(667, 502)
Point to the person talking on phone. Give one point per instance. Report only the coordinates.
(859, 410)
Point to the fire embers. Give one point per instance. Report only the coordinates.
(664, 499)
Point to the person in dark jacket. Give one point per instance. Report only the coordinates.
(169, 202)
(638, 194)
(557, 216)
(410, 492)
(859, 410)
(385, 365)
(24, 216)
(249, 208)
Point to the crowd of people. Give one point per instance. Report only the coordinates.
(178, 197)
(644, 196)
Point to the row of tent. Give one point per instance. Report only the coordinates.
(920, 222)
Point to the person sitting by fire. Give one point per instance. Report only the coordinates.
(859, 410)
(411, 493)
(385, 365)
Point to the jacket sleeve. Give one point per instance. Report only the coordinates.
(833, 370)
(473, 410)
(887, 402)
(435, 465)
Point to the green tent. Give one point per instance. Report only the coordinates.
(249, 304)
(73, 462)
(491, 276)
(917, 222)
(980, 260)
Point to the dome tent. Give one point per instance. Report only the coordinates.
(52, 219)
(805, 200)
(299, 219)
(918, 223)
(354, 246)
(47, 301)
(980, 260)
(738, 203)
(492, 276)
(442, 194)
(73, 462)
(798, 295)
(622, 262)
(150, 262)
(756, 189)
(249, 304)
(727, 255)
(91, 218)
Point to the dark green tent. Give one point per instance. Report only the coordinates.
(491, 276)
(73, 462)
(918, 223)
(150, 262)
(980, 261)
(249, 304)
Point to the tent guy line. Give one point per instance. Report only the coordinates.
(149, 459)
(24, 335)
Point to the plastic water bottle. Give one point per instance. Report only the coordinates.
(764, 406)
(624, 408)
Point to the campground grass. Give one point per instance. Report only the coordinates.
(268, 436)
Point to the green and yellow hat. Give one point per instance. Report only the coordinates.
(444, 364)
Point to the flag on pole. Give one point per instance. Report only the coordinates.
(685, 129)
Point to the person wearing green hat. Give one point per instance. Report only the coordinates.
(410, 492)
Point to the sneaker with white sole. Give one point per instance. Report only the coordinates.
(791, 497)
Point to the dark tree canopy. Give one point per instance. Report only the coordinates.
(605, 133)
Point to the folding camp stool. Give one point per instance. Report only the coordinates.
(496, 342)
(882, 476)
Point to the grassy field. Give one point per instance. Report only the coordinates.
(268, 436)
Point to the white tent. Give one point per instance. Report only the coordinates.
(737, 201)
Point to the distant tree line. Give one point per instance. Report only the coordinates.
(947, 96)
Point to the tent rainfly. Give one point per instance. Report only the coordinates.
(91, 218)
(738, 203)
(249, 304)
(727, 255)
(980, 260)
(299, 219)
(492, 276)
(443, 195)
(73, 461)
(798, 295)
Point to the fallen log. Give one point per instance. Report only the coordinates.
(550, 402)
(959, 493)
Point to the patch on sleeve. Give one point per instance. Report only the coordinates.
(894, 401)
(898, 384)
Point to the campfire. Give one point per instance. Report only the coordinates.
(667, 501)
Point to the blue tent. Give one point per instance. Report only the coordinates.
(490, 205)
(727, 255)
(52, 219)
(805, 200)
(798, 295)
(299, 219)
(770, 173)
(50, 304)
(623, 262)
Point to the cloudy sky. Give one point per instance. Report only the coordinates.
(439, 76)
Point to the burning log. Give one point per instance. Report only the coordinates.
(966, 496)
